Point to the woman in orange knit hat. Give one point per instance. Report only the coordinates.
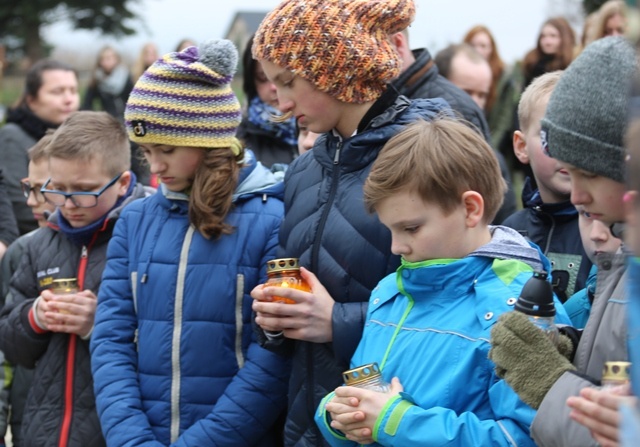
(331, 62)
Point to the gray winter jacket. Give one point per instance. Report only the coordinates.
(604, 339)
(14, 143)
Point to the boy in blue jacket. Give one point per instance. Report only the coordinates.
(436, 186)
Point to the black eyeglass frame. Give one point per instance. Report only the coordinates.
(70, 195)
(27, 189)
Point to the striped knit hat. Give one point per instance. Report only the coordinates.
(340, 46)
(185, 99)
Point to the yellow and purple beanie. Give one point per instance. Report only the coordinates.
(185, 99)
(340, 46)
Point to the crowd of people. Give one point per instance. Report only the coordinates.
(157, 200)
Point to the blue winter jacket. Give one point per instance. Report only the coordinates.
(429, 325)
(327, 226)
(174, 358)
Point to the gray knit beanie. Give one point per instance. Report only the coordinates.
(586, 117)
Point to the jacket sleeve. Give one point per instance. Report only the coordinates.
(8, 223)
(19, 341)
(348, 323)
(114, 359)
(15, 162)
(552, 425)
(402, 422)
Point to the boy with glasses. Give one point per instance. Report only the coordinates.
(89, 183)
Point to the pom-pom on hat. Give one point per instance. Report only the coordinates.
(340, 46)
(585, 121)
(185, 99)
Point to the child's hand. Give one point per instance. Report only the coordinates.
(72, 313)
(355, 410)
(308, 319)
(598, 410)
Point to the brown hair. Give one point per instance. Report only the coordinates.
(92, 136)
(38, 151)
(559, 61)
(534, 95)
(212, 191)
(441, 160)
(495, 61)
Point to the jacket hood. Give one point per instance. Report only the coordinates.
(531, 199)
(507, 243)
(255, 179)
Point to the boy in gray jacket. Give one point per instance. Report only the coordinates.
(583, 128)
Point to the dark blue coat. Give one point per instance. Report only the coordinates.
(173, 353)
(554, 228)
(327, 227)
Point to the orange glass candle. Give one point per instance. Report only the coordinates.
(285, 272)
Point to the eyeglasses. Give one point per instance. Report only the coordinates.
(79, 199)
(27, 189)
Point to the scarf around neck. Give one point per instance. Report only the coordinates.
(260, 113)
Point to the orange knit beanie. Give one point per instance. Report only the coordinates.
(341, 46)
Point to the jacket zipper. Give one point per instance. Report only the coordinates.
(71, 356)
(314, 263)
(327, 209)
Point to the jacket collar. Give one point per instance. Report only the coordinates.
(532, 200)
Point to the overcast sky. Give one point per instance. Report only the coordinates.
(515, 23)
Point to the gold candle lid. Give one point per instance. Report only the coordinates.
(282, 265)
(63, 284)
(361, 374)
(616, 371)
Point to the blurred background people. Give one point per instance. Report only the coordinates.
(185, 43)
(504, 93)
(553, 51)
(110, 84)
(468, 70)
(50, 96)
(147, 56)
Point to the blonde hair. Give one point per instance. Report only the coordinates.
(440, 159)
(141, 65)
(535, 95)
(92, 136)
(598, 25)
(38, 152)
(211, 197)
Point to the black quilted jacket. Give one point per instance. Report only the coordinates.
(60, 408)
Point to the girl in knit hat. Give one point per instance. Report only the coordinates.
(173, 355)
(331, 61)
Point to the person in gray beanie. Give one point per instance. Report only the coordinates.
(583, 127)
(585, 121)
